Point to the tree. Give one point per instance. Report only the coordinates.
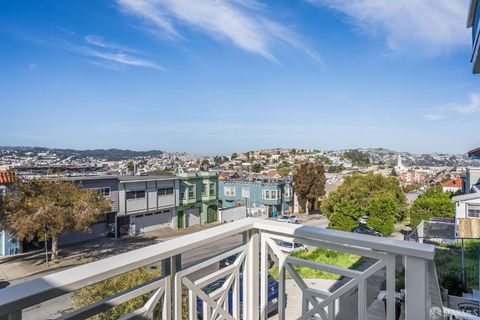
(433, 203)
(130, 166)
(357, 157)
(381, 213)
(365, 194)
(109, 287)
(256, 167)
(48, 208)
(234, 155)
(309, 183)
(393, 173)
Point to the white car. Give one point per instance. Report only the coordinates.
(291, 246)
(288, 218)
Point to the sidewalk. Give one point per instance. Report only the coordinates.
(23, 267)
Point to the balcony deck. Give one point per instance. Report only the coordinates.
(247, 274)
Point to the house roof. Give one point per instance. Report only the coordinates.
(453, 183)
(6, 177)
(474, 153)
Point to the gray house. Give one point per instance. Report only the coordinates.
(108, 185)
(147, 203)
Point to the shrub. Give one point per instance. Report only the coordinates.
(434, 203)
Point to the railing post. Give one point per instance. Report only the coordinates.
(176, 292)
(264, 277)
(362, 300)
(416, 289)
(390, 276)
(251, 275)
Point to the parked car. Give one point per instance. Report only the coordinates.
(288, 218)
(291, 246)
(230, 260)
(272, 300)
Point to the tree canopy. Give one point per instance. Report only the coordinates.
(357, 157)
(309, 182)
(433, 203)
(45, 209)
(378, 197)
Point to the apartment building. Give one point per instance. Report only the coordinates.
(198, 199)
(146, 203)
(269, 196)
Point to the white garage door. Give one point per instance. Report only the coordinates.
(193, 216)
(152, 221)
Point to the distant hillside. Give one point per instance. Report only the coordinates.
(106, 154)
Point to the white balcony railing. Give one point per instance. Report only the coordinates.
(245, 279)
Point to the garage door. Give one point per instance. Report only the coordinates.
(152, 221)
(193, 216)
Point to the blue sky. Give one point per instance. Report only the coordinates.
(213, 77)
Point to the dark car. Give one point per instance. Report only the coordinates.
(230, 260)
(363, 229)
(272, 300)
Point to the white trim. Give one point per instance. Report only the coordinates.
(229, 191)
(246, 192)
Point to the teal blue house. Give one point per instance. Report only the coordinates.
(473, 22)
(270, 196)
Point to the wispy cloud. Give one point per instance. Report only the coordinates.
(242, 22)
(115, 59)
(431, 25)
(434, 116)
(32, 66)
(102, 43)
(471, 107)
(454, 108)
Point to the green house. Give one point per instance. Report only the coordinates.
(198, 201)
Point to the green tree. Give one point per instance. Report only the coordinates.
(234, 155)
(49, 208)
(94, 293)
(361, 193)
(381, 213)
(357, 157)
(130, 166)
(256, 167)
(309, 183)
(433, 203)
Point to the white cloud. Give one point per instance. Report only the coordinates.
(471, 107)
(241, 22)
(432, 25)
(454, 108)
(102, 43)
(118, 58)
(434, 116)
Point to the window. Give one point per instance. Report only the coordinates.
(104, 191)
(473, 210)
(288, 192)
(148, 214)
(271, 194)
(229, 191)
(182, 193)
(135, 194)
(191, 192)
(213, 189)
(165, 191)
(246, 192)
(204, 189)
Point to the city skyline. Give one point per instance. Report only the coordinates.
(177, 76)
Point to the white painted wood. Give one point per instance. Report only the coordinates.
(263, 277)
(192, 305)
(362, 300)
(251, 296)
(416, 289)
(390, 279)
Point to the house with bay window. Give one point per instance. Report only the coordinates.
(269, 196)
(198, 201)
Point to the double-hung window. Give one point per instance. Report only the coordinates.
(473, 210)
(165, 191)
(246, 192)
